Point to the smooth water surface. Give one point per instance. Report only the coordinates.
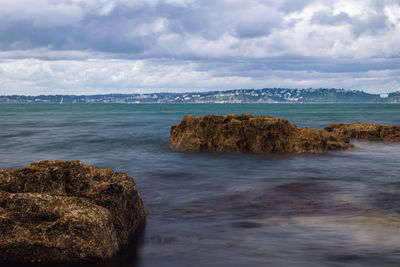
(204, 209)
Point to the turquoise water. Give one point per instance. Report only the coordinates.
(333, 209)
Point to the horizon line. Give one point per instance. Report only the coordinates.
(210, 91)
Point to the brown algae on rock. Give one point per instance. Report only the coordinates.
(60, 211)
(366, 131)
(253, 134)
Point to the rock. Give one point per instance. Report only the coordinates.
(366, 131)
(60, 211)
(245, 133)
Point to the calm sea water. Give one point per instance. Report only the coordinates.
(333, 209)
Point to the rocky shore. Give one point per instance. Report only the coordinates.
(59, 211)
(366, 131)
(253, 134)
(264, 134)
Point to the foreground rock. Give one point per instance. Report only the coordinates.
(56, 211)
(245, 133)
(366, 131)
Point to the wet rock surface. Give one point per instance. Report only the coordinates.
(59, 211)
(253, 134)
(366, 131)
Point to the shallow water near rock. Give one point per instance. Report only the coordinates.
(204, 209)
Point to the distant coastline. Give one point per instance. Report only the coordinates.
(265, 95)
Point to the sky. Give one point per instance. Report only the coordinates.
(140, 46)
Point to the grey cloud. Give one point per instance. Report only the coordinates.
(21, 35)
(228, 43)
(359, 26)
(117, 32)
(291, 64)
(260, 23)
(327, 18)
(372, 26)
(126, 29)
(290, 6)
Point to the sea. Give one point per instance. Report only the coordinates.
(339, 208)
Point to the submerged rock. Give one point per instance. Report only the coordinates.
(59, 211)
(366, 131)
(245, 133)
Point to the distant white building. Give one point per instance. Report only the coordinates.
(384, 95)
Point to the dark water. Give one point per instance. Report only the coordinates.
(334, 209)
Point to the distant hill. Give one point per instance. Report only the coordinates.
(266, 95)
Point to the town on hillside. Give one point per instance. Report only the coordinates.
(266, 95)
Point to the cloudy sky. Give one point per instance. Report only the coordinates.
(127, 46)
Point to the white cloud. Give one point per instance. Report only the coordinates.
(354, 8)
(42, 14)
(393, 14)
(32, 76)
(106, 10)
